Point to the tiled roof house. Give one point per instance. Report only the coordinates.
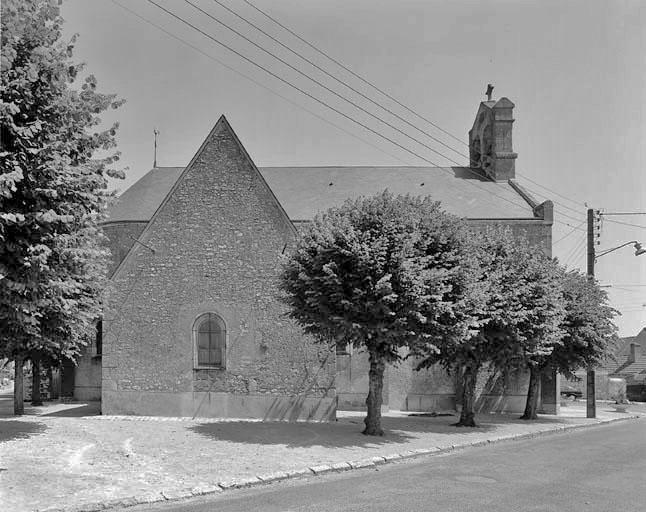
(192, 325)
(630, 359)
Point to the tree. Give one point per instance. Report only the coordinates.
(381, 272)
(589, 332)
(539, 332)
(500, 287)
(53, 190)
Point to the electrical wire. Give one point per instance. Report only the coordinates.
(351, 88)
(574, 250)
(312, 97)
(372, 85)
(568, 234)
(271, 73)
(625, 223)
(260, 84)
(317, 82)
(354, 74)
(309, 61)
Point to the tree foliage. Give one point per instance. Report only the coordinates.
(589, 331)
(538, 332)
(53, 188)
(382, 273)
(513, 314)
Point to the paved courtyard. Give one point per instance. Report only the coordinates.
(63, 456)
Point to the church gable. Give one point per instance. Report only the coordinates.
(218, 189)
(213, 247)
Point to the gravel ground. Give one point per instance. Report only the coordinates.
(65, 456)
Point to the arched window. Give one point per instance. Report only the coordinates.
(210, 334)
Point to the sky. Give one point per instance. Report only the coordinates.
(576, 71)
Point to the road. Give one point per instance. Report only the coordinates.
(596, 469)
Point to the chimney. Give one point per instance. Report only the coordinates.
(634, 352)
(490, 141)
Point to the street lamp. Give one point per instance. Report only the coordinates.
(591, 404)
(638, 249)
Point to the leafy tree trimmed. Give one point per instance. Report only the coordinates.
(589, 331)
(383, 273)
(53, 189)
(502, 285)
(539, 332)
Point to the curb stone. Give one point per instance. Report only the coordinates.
(247, 482)
(201, 490)
(177, 494)
(273, 477)
(295, 473)
(319, 470)
(316, 470)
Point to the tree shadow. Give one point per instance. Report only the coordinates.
(343, 433)
(16, 429)
(294, 435)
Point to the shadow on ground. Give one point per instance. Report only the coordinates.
(15, 429)
(345, 432)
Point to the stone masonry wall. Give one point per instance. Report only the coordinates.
(218, 240)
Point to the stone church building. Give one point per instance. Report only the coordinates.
(192, 325)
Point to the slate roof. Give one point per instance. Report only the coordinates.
(304, 191)
(139, 202)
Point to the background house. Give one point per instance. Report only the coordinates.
(630, 365)
(627, 362)
(192, 324)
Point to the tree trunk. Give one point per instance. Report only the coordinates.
(469, 380)
(374, 400)
(18, 391)
(531, 407)
(35, 380)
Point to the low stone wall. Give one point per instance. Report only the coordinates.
(219, 405)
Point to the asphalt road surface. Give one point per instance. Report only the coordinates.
(596, 469)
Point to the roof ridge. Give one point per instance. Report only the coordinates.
(363, 167)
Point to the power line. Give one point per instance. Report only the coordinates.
(626, 223)
(349, 87)
(569, 233)
(336, 78)
(253, 80)
(260, 84)
(575, 249)
(339, 95)
(539, 194)
(625, 289)
(553, 192)
(408, 109)
(354, 74)
(311, 96)
(332, 91)
(623, 213)
(329, 106)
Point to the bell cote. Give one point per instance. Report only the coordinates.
(490, 141)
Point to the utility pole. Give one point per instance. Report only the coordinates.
(591, 403)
